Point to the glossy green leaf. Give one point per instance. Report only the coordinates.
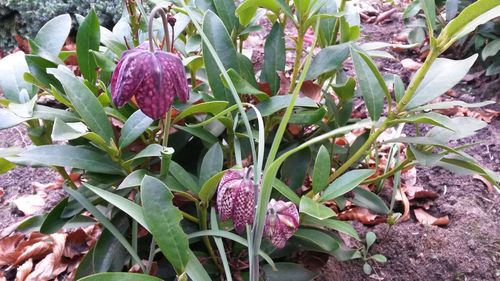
(491, 49)
(274, 58)
(442, 76)
(12, 69)
(72, 156)
(322, 169)
(450, 104)
(53, 221)
(53, 34)
(25, 109)
(286, 191)
(370, 200)
(308, 117)
(88, 38)
(226, 12)
(246, 10)
(333, 224)
(288, 271)
(372, 89)
(62, 131)
(184, 177)
(327, 60)
(316, 238)
(120, 276)
(244, 87)
(370, 239)
(152, 150)
(38, 70)
(85, 103)
(425, 158)
(200, 133)
(379, 258)
(212, 163)
(195, 270)
(220, 245)
(471, 17)
(133, 179)
(108, 253)
(209, 188)
(163, 219)
(277, 103)
(315, 209)
(345, 183)
(327, 25)
(105, 222)
(429, 7)
(212, 107)
(122, 203)
(136, 124)
(218, 36)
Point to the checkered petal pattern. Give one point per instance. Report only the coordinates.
(235, 198)
(282, 221)
(154, 78)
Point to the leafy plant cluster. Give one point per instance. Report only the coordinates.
(152, 182)
(26, 17)
(485, 40)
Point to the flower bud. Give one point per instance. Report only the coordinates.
(282, 221)
(154, 78)
(236, 198)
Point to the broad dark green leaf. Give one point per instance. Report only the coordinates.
(327, 25)
(370, 200)
(72, 156)
(244, 87)
(152, 150)
(212, 107)
(333, 224)
(274, 58)
(425, 158)
(327, 60)
(345, 183)
(88, 38)
(12, 69)
(53, 221)
(136, 124)
(105, 222)
(184, 177)
(120, 276)
(211, 164)
(218, 36)
(122, 203)
(163, 219)
(277, 103)
(200, 133)
(317, 239)
(209, 188)
(429, 7)
(286, 191)
(289, 272)
(38, 69)
(195, 270)
(370, 86)
(108, 254)
(85, 102)
(52, 36)
(133, 179)
(322, 169)
(471, 17)
(315, 209)
(308, 117)
(226, 12)
(442, 76)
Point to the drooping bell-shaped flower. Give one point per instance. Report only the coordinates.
(236, 198)
(282, 221)
(154, 78)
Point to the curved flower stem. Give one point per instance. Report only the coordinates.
(166, 127)
(158, 10)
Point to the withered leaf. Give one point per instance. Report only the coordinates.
(424, 218)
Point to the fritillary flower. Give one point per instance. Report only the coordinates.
(282, 221)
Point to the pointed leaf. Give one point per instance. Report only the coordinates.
(322, 169)
(274, 57)
(88, 38)
(315, 209)
(345, 183)
(136, 124)
(52, 36)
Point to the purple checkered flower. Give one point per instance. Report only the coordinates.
(154, 78)
(236, 198)
(282, 221)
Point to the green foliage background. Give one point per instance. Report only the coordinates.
(26, 17)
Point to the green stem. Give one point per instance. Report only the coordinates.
(298, 56)
(337, 23)
(66, 177)
(151, 255)
(365, 147)
(203, 223)
(419, 76)
(403, 165)
(166, 127)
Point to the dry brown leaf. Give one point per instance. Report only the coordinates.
(311, 90)
(486, 182)
(284, 83)
(24, 270)
(35, 251)
(424, 218)
(76, 243)
(30, 204)
(487, 115)
(406, 204)
(385, 15)
(411, 65)
(8, 246)
(362, 215)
